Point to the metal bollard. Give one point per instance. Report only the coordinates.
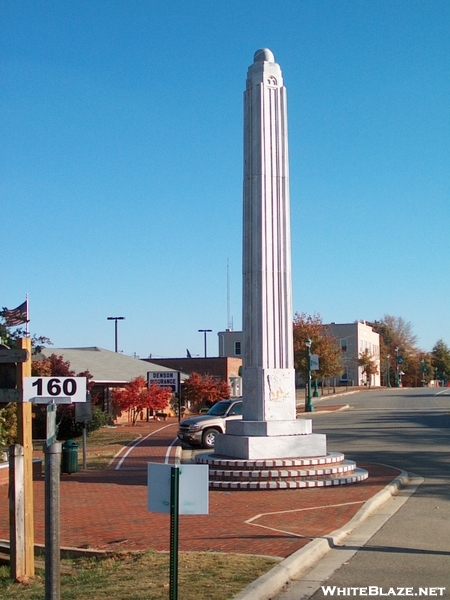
(52, 520)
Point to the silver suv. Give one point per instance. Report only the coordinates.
(202, 430)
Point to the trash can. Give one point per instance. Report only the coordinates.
(69, 458)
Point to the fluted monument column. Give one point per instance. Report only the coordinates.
(269, 428)
(268, 375)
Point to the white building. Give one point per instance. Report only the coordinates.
(230, 343)
(354, 339)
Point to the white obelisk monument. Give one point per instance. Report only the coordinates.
(269, 428)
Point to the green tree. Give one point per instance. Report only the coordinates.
(9, 337)
(325, 345)
(440, 360)
(418, 369)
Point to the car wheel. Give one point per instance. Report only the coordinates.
(209, 438)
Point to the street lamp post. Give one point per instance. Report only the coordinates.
(205, 331)
(309, 405)
(115, 330)
(423, 372)
(388, 377)
(397, 382)
(316, 393)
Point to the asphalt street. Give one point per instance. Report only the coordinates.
(407, 552)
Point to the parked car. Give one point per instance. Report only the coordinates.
(203, 429)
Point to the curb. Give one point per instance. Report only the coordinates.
(328, 409)
(335, 396)
(294, 566)
(178, 453)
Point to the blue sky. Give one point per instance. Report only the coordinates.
(121, 163)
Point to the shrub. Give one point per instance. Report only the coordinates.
(67, 427)
(8, 425)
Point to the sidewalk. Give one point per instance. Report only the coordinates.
(107, 509)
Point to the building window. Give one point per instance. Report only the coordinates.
(237, 349)
(344, 344)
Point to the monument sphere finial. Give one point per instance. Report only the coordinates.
(264, 55)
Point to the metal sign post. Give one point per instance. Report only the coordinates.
(177, 490)
(83, 414)
(174, 520)
(52, 520)
(51, 424)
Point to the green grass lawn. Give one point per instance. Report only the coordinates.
(136, 576)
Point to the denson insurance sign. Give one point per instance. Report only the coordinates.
(168, 379)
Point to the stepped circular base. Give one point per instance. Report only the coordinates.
(346, 466)
(235, 463)
(357, 476)
(227, 473)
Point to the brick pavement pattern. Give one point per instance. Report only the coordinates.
(107, 509)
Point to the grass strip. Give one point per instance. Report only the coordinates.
(145, 575)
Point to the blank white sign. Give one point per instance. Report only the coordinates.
(193, 488)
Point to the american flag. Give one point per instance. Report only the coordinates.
(16, 316)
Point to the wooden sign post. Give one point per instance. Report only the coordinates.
(24, 438)
(15, 364)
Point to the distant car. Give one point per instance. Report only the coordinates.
(203, 429)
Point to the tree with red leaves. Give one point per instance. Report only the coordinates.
(138, 395)
(55, 366)
(205, 388)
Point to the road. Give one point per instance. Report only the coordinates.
(408, 429)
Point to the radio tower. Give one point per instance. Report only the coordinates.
(229, 316)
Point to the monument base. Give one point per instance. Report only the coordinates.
(280, 474)
(249, 447)
(269, 428)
